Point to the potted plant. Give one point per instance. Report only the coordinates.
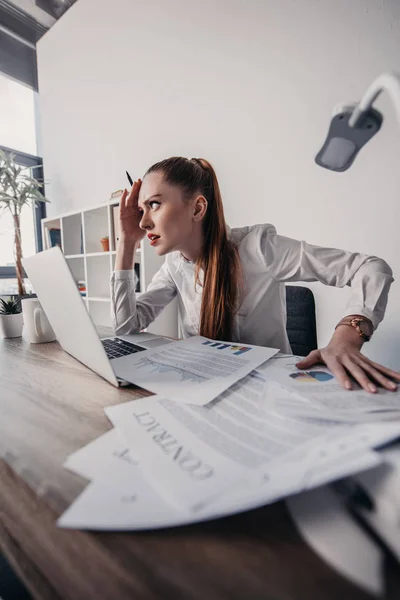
(17, 189)
(105, 242)
(11, 321)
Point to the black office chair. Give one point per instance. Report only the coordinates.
(301, 325)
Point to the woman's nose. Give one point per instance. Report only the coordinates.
(145, 222)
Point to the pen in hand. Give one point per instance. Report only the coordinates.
(129, 178)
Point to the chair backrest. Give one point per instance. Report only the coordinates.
(301, 325)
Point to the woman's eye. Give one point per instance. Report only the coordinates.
(154, 203)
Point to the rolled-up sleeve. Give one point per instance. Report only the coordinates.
(369, 277)
(131, 314)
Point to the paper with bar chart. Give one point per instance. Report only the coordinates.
(194, 371)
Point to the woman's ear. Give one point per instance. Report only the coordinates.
(200, 208)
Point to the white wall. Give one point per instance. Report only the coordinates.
(249, 85)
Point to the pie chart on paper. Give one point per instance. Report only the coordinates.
(311, 376)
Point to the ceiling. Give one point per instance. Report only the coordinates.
(36, 14)
(55, 8)
(22, 24)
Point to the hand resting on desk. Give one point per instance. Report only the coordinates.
(343, 357)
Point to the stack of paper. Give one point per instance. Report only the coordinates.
(169, 463)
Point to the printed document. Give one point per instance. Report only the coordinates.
(129, 504)
(104, 454)
(193, 454)
(129, 491)
(321, 389)
(194, 371)
(120, 498)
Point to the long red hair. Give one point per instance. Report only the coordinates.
(219, 258)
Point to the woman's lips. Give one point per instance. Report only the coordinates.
(153, 239)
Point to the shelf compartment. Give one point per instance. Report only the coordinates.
(95, 228)
(98, 275)
(77, 267)
(49, 238)
(72, 233)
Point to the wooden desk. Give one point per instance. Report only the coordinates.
(51, 405)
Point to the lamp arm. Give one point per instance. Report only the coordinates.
(387, 81)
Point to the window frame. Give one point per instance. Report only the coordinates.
(28, 160)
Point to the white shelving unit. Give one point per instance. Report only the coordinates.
(80, 235)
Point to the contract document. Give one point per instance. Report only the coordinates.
(192, 455)
(168, 463)
(194, 371)
(121, 498)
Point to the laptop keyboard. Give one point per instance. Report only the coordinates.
(116, 347)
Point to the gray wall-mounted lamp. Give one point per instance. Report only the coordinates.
(353, 125)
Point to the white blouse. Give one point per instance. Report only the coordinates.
(268, 261)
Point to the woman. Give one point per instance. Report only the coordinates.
(230, 283)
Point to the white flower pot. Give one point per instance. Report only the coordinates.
(11, 325)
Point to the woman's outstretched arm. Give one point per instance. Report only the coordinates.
(369, 277)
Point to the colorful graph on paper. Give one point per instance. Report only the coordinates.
(307, 376)
(237, 350)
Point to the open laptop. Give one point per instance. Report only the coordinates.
(66, 311)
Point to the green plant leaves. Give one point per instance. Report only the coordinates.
(10, 307)
(16, 187)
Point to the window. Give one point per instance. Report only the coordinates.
(17, 116)
(18, 135)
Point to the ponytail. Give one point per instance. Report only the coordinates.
(219, 258)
